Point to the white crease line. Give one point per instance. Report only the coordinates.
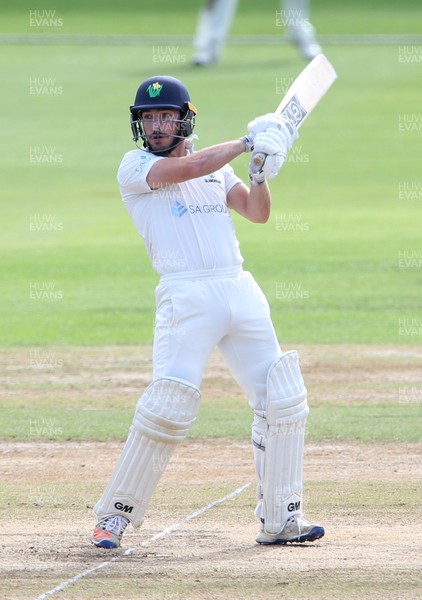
(158, 536)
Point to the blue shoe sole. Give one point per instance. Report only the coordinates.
(105, 544)
(315, 534)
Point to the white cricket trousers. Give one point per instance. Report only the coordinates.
(197, 311)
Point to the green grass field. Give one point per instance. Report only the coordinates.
(340, 261)
(344, 236)
(167, 18)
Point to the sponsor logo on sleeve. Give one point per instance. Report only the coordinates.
(144, 159)
(212, 178)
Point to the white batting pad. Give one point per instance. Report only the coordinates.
(163, 417)
(286, 419)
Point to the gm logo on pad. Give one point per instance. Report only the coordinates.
(178, 209)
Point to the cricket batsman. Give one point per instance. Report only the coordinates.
(180, 201)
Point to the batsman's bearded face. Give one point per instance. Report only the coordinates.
(161, 127)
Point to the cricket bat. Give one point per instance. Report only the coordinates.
(302, 96)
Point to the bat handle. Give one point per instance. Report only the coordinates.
(257, 161)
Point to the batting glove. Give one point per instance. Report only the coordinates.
(270, 149)
(259, 124)
(248, 139)
(268, 156)
(262, 166)
(269, 121)
(256, 176)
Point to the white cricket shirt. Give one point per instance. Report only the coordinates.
(185, 226)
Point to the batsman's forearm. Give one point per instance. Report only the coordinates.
(259, 203)
(215, 157)
(176, 169)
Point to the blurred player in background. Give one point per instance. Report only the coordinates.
(216, 17)
(180, 203)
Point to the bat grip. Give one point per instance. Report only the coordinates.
(257, 161)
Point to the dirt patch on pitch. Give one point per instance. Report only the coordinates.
(363, 494)
(366, 495)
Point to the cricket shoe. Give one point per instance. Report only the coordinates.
(303, 36)
(204, 60)
(108, 532)
(296, 529)
(206, 56)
